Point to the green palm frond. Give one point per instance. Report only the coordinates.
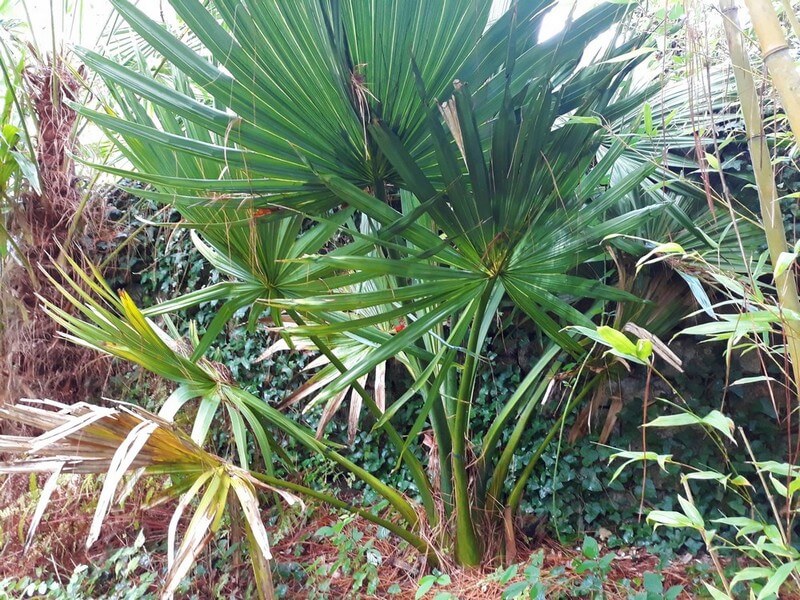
(301, 82)
(267, 143)
(114, 325)
(663, 134)
(348, 166)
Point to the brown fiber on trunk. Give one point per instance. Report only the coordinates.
(34, 361)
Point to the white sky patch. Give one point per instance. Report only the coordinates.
(555, 20)
(85, 22)
(79, 22)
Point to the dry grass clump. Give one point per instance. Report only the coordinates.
(59, 545)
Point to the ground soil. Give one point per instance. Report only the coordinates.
(59, 547)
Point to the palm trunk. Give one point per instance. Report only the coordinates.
(760, 156)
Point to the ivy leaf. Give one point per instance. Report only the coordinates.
(508, 574)
(673, 593)
(514, 590)
(425, 585)
(591, 549)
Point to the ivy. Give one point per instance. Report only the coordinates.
(570, 488)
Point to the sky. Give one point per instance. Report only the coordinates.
(79, 22)
(82, 21)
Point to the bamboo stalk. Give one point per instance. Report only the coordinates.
(762, 168)
(790, 14)
(777, 58)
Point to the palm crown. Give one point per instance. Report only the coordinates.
(464, 166)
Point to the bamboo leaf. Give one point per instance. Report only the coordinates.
(776, 580)
(785, 260)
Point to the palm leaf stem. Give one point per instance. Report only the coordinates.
(401, 532)
(516, 494)
(468, 550)
(500, 470)
(494, 434)
(412, 462)
(441, 434)
(394, 497)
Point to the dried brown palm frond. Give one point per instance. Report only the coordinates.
(124, 439)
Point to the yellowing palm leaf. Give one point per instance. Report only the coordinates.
(121, 439)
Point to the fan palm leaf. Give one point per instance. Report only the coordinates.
(486, 161)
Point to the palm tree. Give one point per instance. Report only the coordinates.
(456, 158)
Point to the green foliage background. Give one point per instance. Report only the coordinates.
(570, 489)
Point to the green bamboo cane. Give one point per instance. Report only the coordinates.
(769, 199)
(777, 56)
